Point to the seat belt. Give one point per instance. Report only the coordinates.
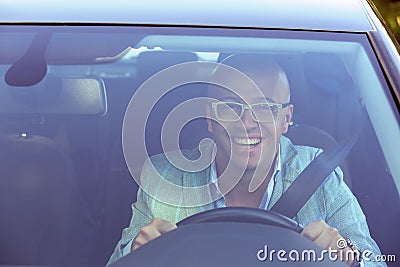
(304, 186)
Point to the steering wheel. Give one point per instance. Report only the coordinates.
(234, 236)
(245, 215)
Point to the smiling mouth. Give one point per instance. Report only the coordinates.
(249, 142)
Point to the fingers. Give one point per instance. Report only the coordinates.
(151, 231)
(327, 237)
(163, 226)
(322, 234)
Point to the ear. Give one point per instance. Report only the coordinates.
(288, 119)
(208, 116)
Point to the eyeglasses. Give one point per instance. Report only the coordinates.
(260, 112)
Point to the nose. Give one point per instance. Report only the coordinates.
(247, 120)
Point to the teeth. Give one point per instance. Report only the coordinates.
(247, 141)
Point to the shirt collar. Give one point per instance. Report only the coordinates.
(277, 167)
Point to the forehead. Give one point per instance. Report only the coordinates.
(250, 84)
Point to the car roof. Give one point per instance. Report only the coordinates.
(338, 15)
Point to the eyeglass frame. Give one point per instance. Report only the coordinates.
(248, 107)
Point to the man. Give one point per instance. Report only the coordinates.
(254, 164)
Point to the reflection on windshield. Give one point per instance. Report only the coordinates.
(62, 143)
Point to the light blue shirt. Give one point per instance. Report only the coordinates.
(221, 202)
(332, 202)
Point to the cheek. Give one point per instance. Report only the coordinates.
(271, 133)
(269, 130)
(280, 126)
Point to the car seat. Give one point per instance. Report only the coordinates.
(35, 197)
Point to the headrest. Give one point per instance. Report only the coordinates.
(326, 73)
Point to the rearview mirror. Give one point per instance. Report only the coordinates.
(55, 95)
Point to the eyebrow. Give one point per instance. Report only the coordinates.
(267, 99)
(239, 100)
(231, 98)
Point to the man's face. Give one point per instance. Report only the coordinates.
(247, 143)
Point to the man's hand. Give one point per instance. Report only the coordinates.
(151, 231)
(327, 237)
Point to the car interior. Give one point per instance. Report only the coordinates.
(65, 188)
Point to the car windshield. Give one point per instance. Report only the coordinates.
(82, 108)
